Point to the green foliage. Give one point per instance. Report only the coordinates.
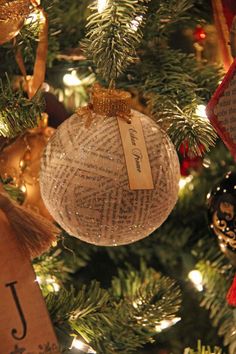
(51, 271)
(165, 15)
(120, 319)
(66, 25)
(216, 279)
(14, 192)
(17, 113)
(203, 350)
(174, 86)
(113, 34)
(186, 126)
(154, 297)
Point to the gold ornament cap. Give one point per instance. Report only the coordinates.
(110, 102)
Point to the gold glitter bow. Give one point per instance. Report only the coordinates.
(107, 102)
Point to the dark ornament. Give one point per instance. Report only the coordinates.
(222, 211)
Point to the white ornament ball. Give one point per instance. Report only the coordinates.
(84, 181)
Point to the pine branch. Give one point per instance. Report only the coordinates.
(113, 34)
(201, 349)
(184, 125)
(173, 93)
(120, 320)
(217, 283)
(165, 15)
(17, 113)
(52, 271)
(154, 297)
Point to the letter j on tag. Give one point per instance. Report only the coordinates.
(136, 155)
(25, 326)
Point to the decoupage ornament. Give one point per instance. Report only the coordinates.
(21, 161)
(12, 16)
(222, 211)
(109, 176)
(229, 253)
(222, 108)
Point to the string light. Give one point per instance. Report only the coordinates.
(166, 324)
(53, 283)
(137, 303)
(82, 347)
(71, 79)
(196, 278)
(34, 17)
(184, 180)
(101, 5)
(23, 188)
(4, 128)
(201, 111)
(134, 25)
(50, 282)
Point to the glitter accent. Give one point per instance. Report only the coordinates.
(95, 188)
(110, 103)
(14, 9)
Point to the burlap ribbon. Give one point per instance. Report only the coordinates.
(35, 234)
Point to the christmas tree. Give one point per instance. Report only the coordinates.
(165, 293)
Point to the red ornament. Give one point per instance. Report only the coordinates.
(199, 34)
(189, 162)
(231, 296)
(221, 110)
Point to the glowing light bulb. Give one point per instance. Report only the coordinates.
(4, 128)
(201, 111)
(101, 5)
(53, 283)
(33, 17)
(196, 278)
(38, 280)
(134, 25)
(71, 79)
(50, 282)
(85, 348)
(23, 188)
(184, 180)
(166, 324)
(137, 303)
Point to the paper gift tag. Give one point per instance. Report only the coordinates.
(135, 152)
(25, 327)
(221, 110)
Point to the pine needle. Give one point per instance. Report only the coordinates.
(113, 33)
(17, 113)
